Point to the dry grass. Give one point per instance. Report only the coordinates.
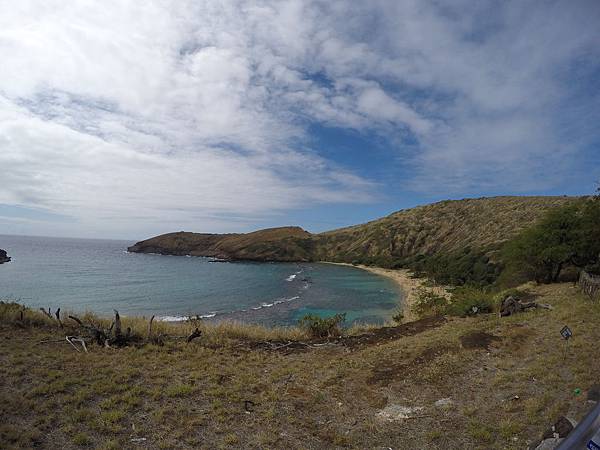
(194, 395)
(214, 333)
(446, 226)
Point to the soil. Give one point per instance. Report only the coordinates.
(478, 340)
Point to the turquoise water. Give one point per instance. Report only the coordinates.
(99, 275)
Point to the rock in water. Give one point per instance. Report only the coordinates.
(4, 258)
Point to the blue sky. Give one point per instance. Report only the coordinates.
(122, 119)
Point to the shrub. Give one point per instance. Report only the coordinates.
(470, 300)
(323, 327)
(398, 316)
(428, 303)
(457, 268)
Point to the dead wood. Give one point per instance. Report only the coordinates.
(117, 324)
(512, 305)
(47, 313)
(72, 339)
(97, 334)
(196, 333)
(150, 327)
(57, 313)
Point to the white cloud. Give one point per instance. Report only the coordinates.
(184, 112)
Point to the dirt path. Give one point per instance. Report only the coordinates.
(374, 337)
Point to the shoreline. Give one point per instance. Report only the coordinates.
(404, 280)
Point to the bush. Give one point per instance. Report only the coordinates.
(457, 268)
(470, 300)
(319, 327)
(428, 303)
(398, 316)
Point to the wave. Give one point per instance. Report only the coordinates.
(185, 318)
(293, 276)
(213, 314)
(276, 302)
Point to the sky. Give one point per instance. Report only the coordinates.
(126, 119)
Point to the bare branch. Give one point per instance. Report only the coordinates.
(77, 320)
(68, 338)
(194, 335)
(57, 313)
(117, 324)
(47, 313)
(150, 327)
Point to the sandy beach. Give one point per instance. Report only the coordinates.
(403, 278)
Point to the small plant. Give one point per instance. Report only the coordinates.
(82, 440)
(398, 316)
(428, 303)
(469, 300)
(323, 327)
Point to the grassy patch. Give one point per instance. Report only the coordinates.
(220, 392)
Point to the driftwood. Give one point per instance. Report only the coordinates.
(57, 314)
(107, 338)
(47, 313)
(512, 305)
(72, 339)
(117, 323)
(150, 327)
(97, 334)
(196, 333)
(589, 285)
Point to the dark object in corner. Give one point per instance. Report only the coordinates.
(4, 258)
(561, 428)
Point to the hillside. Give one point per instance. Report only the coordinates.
(479, 382)
(446, 226)
(272, 244)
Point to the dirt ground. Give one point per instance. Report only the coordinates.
(480, 382)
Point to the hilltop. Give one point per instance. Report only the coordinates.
(449, 226)
(272, 244)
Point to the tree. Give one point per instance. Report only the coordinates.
(569, 235)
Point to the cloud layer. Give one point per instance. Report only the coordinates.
(198, 114)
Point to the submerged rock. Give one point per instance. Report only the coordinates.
(4, 258)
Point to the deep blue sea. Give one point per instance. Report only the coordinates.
(99, 275)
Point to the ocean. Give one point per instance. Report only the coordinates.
(100, 275)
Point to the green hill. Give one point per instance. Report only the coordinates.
(478, 225)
